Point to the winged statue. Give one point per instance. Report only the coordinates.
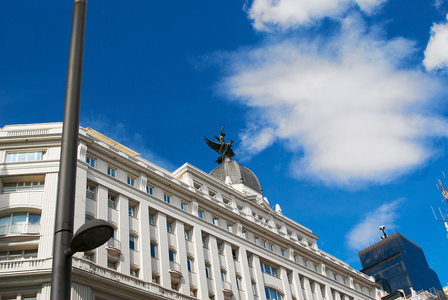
(223, 148)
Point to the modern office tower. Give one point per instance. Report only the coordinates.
(181, 235)
(398, 264)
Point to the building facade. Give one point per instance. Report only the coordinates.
(180, 235)
(398, 263)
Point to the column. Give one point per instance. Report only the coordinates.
(216, 267)
(230, 266)
(102, 211)
(182, 257)
(123, 233)
(145, 243)
(48, 215)
(165, 277)
(246, 280)
(200, 263)
(297, 285)
(80, 196)
(317, 291)
(258, 277)
(307, 287)
(285, 283)
(328, 294)
(337, 296)
(81, 292)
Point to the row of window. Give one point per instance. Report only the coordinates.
(21, 222)
(111, 171)
(18, 254)
(10, 187)
(24, 156)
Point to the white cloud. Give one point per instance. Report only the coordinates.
(342, 104)
(436, 53)
(290, 13)
(367, 232)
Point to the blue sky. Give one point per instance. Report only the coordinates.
(338, 106)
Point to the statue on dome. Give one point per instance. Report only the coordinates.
(223, 148)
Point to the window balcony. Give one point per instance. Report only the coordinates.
(18, 229)
(175, 269)
(227, 289)
(114, 245)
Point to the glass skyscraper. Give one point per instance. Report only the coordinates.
(398, 263)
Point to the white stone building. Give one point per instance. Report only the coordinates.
(180, 235)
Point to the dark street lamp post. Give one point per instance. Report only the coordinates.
(91, 234)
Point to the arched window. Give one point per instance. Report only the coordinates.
(272, 294)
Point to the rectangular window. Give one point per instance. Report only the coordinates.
(134, 272)
(215, 220)
(208, 273)
(187, 234)
(152, 219)
(112, 265)
(220, 248)
(271, 247)
(170, 227)
(235, 254)
(133, 209)
(254, 288)
(166, 198)
(190, 264)
(238, 283)
(111, 171)
(10, 187)
(132, 242)
(184, 206)
(197, 185)
(223, 275)
(201, 214)
(229, 227)
(150, 190)
(153, 250)
(24, 156)
(130, 180)
(265, 268)
(90, 194)
(90, 161)
(283, 253)
(111, 201)
(171, 255)
(263, 243)
(29, 254)
(205, 241)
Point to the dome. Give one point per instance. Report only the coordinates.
(237, 173)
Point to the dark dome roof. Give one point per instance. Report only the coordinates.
(237, 174)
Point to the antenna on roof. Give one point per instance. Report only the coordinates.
(444, 217)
